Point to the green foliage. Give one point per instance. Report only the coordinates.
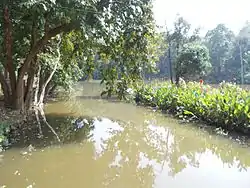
(227, 106)
(4, 130)
(118, 34)
(127, 61)
(220, 42)
(181, 35)
(176, 40)
(77, 59)
(193, 61)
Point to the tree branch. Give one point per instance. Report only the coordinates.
(45, 121)
(41, 98)
(43, 41)
(34, 34)
(63, 28)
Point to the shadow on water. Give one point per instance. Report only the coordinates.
(69, 129)
(146, 154)
(160, 144)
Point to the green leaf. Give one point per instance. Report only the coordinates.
(186, 112)
(246, 108)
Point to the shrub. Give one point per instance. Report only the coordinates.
(227, 106)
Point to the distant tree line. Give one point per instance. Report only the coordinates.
(220, 55)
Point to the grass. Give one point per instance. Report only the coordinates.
(226, 105)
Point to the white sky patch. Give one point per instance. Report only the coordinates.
(203, 13)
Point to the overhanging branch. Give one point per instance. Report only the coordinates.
(43, 41)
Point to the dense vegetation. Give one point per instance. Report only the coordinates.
(227, 106)
(45, 44)
(229, 53)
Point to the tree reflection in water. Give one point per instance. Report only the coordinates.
(136, 154)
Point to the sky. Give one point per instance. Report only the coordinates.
(203, 13)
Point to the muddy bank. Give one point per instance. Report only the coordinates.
(9, 120)
(9, 115)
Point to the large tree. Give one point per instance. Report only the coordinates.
(192, 62)
(242, 48)
(220, 42)
(32, 32)
(180, 35)
(237, 56)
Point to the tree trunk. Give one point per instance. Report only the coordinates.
(37, 85)
(19, 99)
(218, 74)
(47, 90)
(8, 45)
(6, 91)
(43, 89)
(15, 95)
(177, 81)
(29, 92)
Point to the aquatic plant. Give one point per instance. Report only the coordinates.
(227, 106)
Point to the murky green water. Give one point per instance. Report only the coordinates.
(116, 145)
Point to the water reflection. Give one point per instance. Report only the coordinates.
(104, 130)
(103, 144)
(115, 152)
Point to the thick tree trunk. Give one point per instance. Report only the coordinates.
(14, 95)
(8, 45)
(29, 92)
(6, 90)
(17, 93)
(19, 97)
(9, 70)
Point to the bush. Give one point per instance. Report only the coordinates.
(227, 106)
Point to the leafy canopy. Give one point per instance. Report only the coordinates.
(118, 34)
(193, 61)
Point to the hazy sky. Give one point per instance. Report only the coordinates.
(204, 13)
